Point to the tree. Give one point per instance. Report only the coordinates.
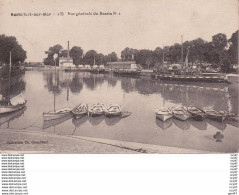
(56, 49)
(128, 54)
(64, 53)
(89, 57)
(219, 41)
(112, 57)
(233, 49)
(76, 53)
(145, 58)
(8, 44)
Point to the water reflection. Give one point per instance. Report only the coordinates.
(164, 125)
(112, 81)
(111, 121)
(17, 86)
(200, 125)
(52, 82)
(201, 95)
(50, 123)
(78, 122)
(7, 118)
(139, 96)
(94, 121)
(184, 125)
(216, 124)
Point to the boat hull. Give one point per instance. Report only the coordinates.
(47, 116)
(57, 114)
(80, 110)
(197, 117)
(95, 114)
(163, 117)
(96, 110)
(79, 115)
(182, 117)
(215, 115)
(9, 109)
(216, 118)
(181, 114)
(112, 114)
(196, 113)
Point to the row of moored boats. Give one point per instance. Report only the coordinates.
(83, 109)
(184, 113)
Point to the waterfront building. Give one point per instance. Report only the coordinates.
(122, 65)
(66, 62)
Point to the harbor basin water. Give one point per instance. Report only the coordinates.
(141, 96)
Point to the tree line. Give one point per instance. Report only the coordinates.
(220, 51)
(76, 53)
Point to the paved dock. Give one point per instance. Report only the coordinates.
(15, 141)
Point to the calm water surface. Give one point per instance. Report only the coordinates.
(141, 96)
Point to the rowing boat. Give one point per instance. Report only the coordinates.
(80, 110)
(231, 116)
(163, 114)
(15, 103)
(197, 113)
(180, 113)
(11, 116)
(113, 110)
(215, 115)
(53, 115)
(96, 110)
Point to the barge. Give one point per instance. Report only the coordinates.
(192, 78)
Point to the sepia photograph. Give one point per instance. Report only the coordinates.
(119, 77)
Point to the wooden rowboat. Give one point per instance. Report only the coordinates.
(180, 113)
(80, 110)
(231, 116)
(96, 110)
(197, 113)
(113, 110)
(53, 115)
(4, 109)
(163, 114)
(215, 115)
(5, 118)
(16, 103)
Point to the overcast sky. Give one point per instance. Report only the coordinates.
(142, 24)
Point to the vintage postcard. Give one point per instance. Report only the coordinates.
(126, 76)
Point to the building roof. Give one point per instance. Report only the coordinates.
(121, 62)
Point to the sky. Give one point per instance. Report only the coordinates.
(141, 24)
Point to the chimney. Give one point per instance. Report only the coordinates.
(68, 45)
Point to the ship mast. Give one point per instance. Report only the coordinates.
(182, 50)
(163, 58)
(9, 75)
